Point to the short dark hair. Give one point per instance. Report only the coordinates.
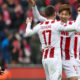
(65, 7)
(49, 11)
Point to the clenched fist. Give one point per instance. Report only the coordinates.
(32, 2)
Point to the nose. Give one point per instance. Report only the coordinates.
(63, 16)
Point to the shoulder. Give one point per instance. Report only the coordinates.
(71, 22)
(47, 22)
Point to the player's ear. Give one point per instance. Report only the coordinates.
(55, 14)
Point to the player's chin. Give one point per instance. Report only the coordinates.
(63, 20)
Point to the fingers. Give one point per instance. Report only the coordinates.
(28, 20)
(31, 2)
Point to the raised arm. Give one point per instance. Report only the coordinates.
(35, 11)
(37, 14)
(70, 28)
(29, 31)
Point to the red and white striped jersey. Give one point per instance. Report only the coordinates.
(49, 34)
(76, 46)
(70, 44)
(49, 37)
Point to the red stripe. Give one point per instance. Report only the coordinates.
(77, 33)
(47, 22)
(75, 47)
(70, 23)
(44, 37)
(41, 23)
(79, 53)
(49, 36)
(52, 21)
(52, 53)
(46, 53)
(42, 53)
(67, 46)
(61, 45)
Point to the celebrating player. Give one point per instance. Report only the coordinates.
(76, 48)
(49, 34)
(66, 40)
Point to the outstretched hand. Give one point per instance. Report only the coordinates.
(32, 2)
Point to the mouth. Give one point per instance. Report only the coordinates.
(63, 19)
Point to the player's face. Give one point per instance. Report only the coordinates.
(78, 10)
(64, 16)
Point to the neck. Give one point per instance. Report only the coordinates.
(64, 21)
(51, 18)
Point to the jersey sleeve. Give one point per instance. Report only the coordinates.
(37, 14)
(70, 28)
(29, 31)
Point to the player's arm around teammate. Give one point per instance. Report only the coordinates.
(71, 28)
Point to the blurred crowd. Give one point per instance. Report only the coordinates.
(14, 48)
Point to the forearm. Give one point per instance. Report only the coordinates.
(74, 27)
(37, 14)
(68, 29)
(29, 31)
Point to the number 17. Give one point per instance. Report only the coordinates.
(44, 34)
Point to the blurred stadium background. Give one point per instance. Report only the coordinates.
(22, 56)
